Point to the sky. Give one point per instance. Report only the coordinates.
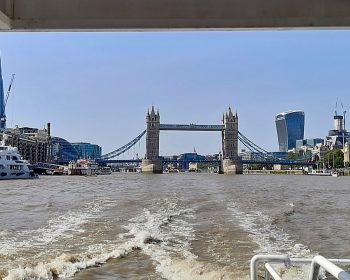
(97, 87)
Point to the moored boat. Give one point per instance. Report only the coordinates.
(322, 172)
(82, 167)
(12, 166)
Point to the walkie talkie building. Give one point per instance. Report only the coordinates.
(290, 127)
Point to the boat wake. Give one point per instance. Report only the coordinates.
(57, 228)
(271, 240)
(163, 233)
(263, 231)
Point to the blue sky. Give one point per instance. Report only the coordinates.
(97, 87)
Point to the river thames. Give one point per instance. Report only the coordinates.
(170, 226)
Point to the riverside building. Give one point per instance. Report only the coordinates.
(32, 143)
(290, 127)
(62, 151)
(88, 150)
(338, 136)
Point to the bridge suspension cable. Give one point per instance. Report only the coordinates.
(253, 147)
(268, 156)
(124, 148)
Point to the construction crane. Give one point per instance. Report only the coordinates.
(8, 91)
(3, 117)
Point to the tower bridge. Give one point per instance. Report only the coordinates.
(153, 163)
(230, 163)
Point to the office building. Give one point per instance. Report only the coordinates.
(310, 143)
(62, 152)
(338, 136)
(290, 127)
(87, 150)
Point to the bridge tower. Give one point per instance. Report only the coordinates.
(230, 135)
(151, 163)
(152, 134)
(230, 144)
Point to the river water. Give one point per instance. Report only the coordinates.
(170, 226)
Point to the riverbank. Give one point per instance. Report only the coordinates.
(278, 172)
(284, 172)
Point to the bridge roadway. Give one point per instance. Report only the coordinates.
(192, 127)
(103, 15)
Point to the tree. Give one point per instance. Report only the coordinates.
(292, 156)
(333, 159)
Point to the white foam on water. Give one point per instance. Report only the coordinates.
(6, 232)
(160, 235)
(64, 266)
(57, 228)
(183, 266)
(164, 233)
(272, 240)
(167, 233)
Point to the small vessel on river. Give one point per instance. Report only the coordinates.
(83, 167)
(320, 173)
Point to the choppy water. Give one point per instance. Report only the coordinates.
(170, 226)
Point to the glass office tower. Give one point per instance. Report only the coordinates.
(290, 127)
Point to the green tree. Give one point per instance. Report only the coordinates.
(292, 156)
(333, 159)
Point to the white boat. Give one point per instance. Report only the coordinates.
(12, 166)
(319, 173)
(83, 167)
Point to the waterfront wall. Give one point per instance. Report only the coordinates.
(267, 172)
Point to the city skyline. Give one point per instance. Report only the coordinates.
(97, 87)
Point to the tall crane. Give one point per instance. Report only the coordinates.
(8, 91)
(6, 97)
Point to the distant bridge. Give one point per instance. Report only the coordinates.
(215, 162)
(261, 156)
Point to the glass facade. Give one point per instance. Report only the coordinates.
(290, 127)
(87, 150)
(308, 142)
(62, 151)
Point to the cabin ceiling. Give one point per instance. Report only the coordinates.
(134, 15)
